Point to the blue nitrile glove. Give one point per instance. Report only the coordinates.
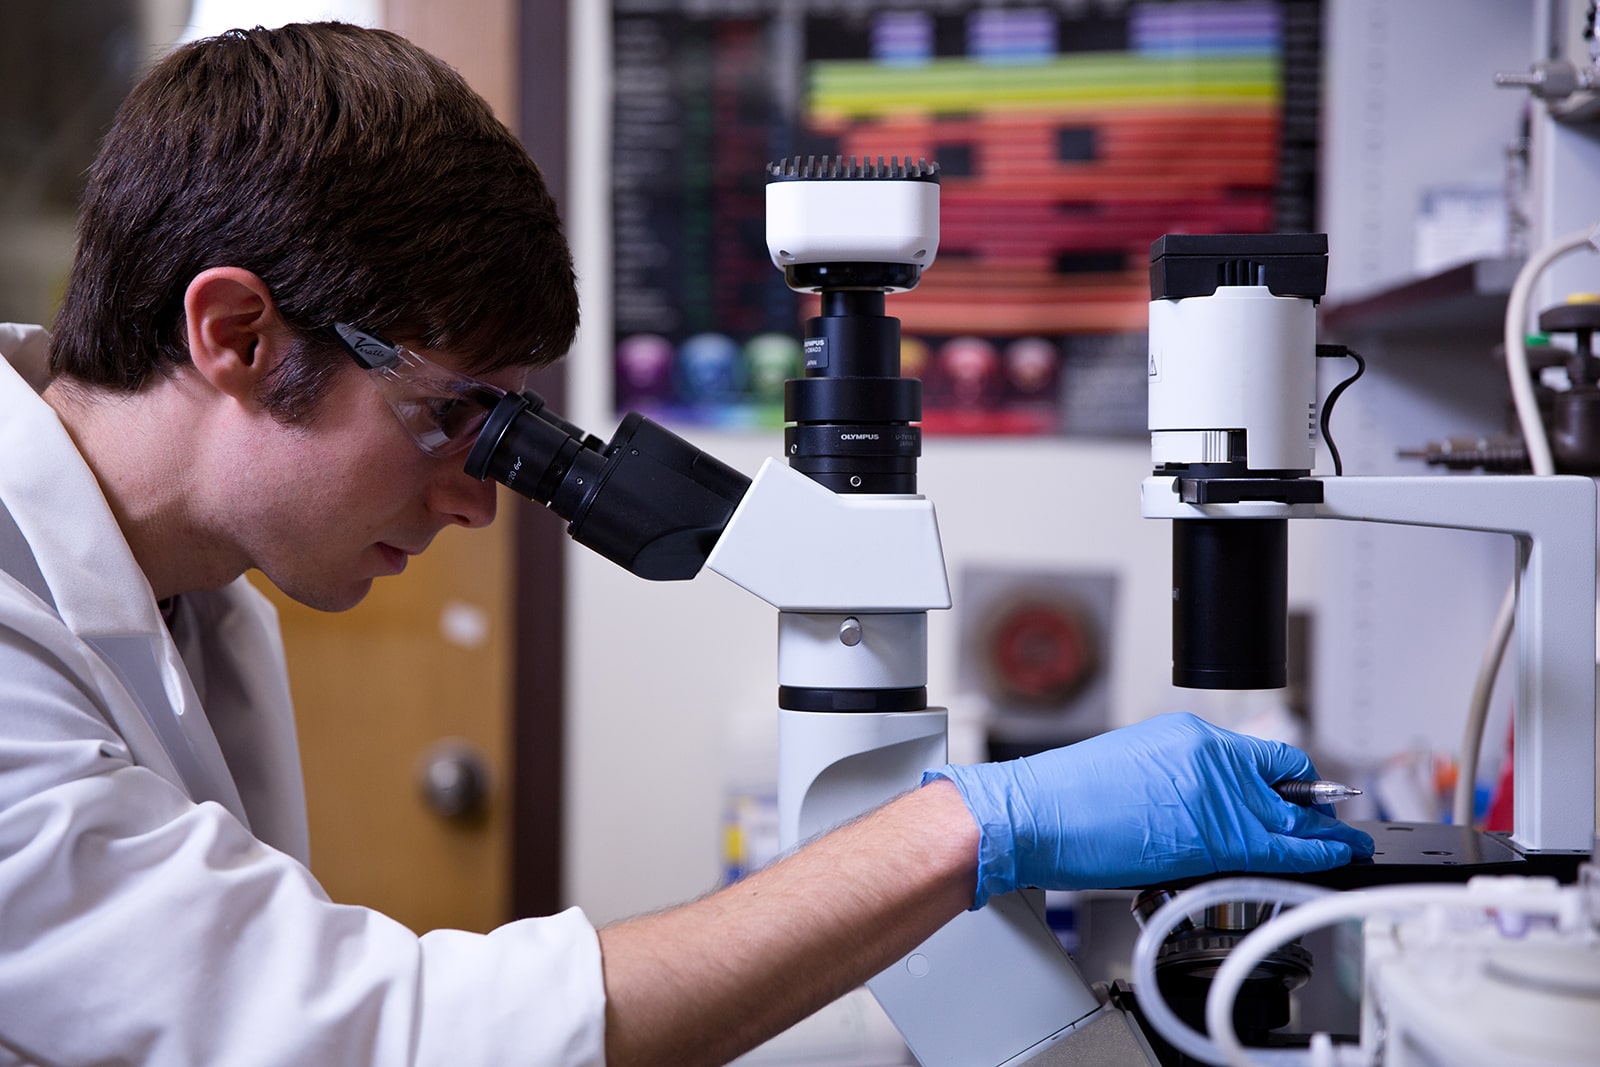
(1168, 798)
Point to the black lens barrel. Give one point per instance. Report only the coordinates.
(852, 416)
(1230, 603)
(529, 449)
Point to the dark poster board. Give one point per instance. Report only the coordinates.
(1070, 136)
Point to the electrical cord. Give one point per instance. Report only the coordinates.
(1520, 380)
(1336, 352)
(1463, 806)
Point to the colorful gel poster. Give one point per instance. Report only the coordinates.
(1069, 137)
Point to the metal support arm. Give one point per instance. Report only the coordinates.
(1552, 522)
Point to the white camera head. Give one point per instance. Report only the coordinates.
(1233, 341)
(826, 213)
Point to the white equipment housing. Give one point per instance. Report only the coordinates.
(1238, 360)
(1484, 991)
(869, 220)
(1552, 521)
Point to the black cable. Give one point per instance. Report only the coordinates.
(1335, 352)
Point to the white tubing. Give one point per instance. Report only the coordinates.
(1478, 711)
(1516, 350)
(1179, 1034)
(1511, 893)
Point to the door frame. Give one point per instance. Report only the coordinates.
(538, 685)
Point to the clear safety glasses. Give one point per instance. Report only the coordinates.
(441, 409)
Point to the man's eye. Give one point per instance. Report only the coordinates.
(450, 413)
(456, 416)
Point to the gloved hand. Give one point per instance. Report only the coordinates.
(1168, 798)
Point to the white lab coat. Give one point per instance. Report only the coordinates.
(155, 906)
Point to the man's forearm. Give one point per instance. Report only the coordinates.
(704, 982)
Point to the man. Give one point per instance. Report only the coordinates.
(196, 414)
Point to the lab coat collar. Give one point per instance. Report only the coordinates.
(94, 583)
(73, 543)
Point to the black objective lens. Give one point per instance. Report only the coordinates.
(852, 415)
(1230, 603)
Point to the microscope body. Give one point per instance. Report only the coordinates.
(1233, 420)
(1551, 521)
(840, 542)
(853, 578)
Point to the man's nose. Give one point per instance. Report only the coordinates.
(463, 499)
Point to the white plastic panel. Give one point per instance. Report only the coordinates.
(1240, 359)
(853, 221)
(802, 547)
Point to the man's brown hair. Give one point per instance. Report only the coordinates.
(356, 174)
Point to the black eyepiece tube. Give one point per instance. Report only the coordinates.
(649, 500)
(526, 447)
(1230, 603)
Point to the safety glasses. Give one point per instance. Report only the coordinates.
(441, 409)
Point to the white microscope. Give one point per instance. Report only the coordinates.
(838, 540)
(1233, 425)
(836, 537)
(1505, 968)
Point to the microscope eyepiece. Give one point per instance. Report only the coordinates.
(649, 500)
(527, 447)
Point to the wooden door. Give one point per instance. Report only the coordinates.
(415, 674)
(421, 670)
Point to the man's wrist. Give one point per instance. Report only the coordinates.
(958, 833)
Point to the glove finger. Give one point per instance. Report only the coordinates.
(1266, 763)
(1304, 822)
(1275, 813)
(1288, 855)
(1266, 803)
(1359, 841)
(1295, 820)
(1275, 761)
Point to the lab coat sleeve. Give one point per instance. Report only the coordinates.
(139, 927)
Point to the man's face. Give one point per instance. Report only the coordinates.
(348, 496)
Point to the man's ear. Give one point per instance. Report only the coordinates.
(233, 329)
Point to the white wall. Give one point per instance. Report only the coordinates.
(1404, 613)
(210, 17)
(666, 681)
(1410, 103)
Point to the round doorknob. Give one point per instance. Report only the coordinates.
(455, 780)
